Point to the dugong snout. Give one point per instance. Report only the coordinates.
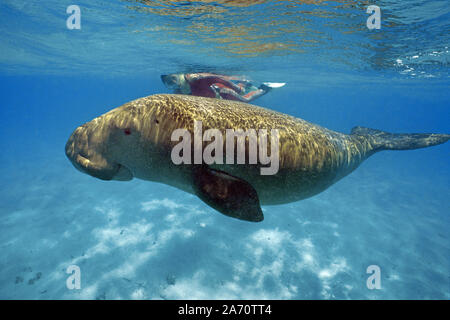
(86, 155)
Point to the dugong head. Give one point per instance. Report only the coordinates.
(92, 148)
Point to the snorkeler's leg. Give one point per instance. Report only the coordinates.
(254, 92)
(229, 94)
(223, 92)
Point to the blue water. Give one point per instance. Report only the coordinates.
(143, 240)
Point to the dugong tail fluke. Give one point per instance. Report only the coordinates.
(381, 140)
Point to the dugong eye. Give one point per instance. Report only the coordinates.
(127, 131)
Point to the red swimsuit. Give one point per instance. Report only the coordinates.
(209, 85)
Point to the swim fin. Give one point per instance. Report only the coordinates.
(274, 85)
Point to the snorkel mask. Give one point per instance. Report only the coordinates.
(176, 82)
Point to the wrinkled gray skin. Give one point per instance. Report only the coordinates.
(134, 140)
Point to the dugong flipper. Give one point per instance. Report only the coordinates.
(229, 195)
(135, 140)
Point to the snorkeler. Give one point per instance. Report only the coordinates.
(217, 86)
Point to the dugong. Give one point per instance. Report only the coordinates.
(136, 140)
